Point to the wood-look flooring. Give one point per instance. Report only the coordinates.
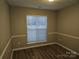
(45, 52)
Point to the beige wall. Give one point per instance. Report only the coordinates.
(18, 18)
(68, 23)
(4, 26)
(68, 20)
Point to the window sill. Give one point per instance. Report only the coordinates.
(36, 42)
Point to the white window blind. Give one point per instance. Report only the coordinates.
(36, 29)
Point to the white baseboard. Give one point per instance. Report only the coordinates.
(5, 48)
(67, 35)
(72, 51)
(11, 55)
(33, 46)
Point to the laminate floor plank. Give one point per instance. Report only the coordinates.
(45, 52)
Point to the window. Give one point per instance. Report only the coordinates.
(36, 29)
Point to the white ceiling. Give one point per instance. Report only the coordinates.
(43, 4)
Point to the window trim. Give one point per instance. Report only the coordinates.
(46, 31)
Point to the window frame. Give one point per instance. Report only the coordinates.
(46, 30)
